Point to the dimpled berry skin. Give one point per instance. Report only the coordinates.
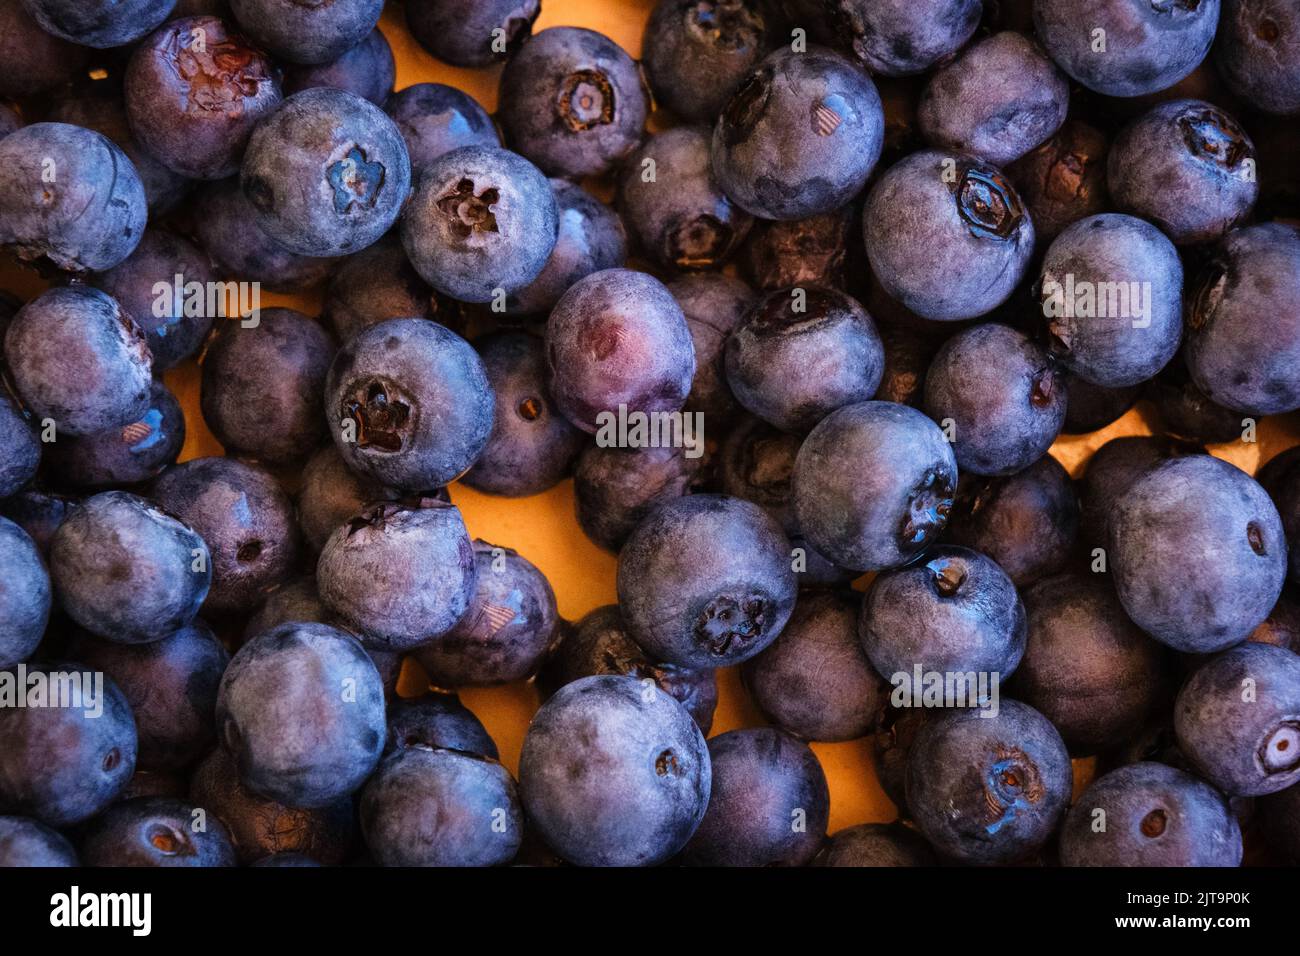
(947, 235)
(1258, 53)
(326, 195)
(263, 386)
(1238, 719)
(814, 681)
(614, 773)
(155, 832)
(126, 571)
(1243, 340)
(409, 404)
(26, 843)
(1002, 396)
(1155, 816)
(1149, 46)
(998, 100)
(802, 353)
(89, 219)
(988, 790)
(1186, 166)
(24, 595)
(483, 221)
(194, 91)
(436, 119)
(99, 23)
(617, 338)
(881, 517)
(573, 102)
(245, 518)
(1063, 180)
(1098, 336)
(955, 613)
(818, 101)
(472, 32)
(901, 37)
(301, 710)
(428, 807)
(706, 581)
(1198, 553)
(308, 31)
(801, 252)
(63, 765)
(399, 575)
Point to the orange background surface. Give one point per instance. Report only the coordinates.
(543, 528)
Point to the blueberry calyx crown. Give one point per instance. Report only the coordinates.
(1012, 784)
(988, 204)
(928, 508)
(586, 100)
(1280, 751)
(380, 414)
(1154, 823)
(726, 24)
(168, 841)
(947, 575)
(1214, 137)
(700, 242)
(469, 210)
(355, 181)
(729, 620)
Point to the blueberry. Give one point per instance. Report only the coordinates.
(1282, 823)
(379, 283)
(988, 790)
(615, 488)
(1185, 412)
(511, 625)
(24, 595)
(64, 764)
(301, 710)
(367, 69)
(194, 91)
(171, 686)
(957, 612)
(326, 195)
(698, 51)
(1154, 816)
(1258, 53)
(1149, 46)
(331, 494)
(246, 519)
(125, 455)
(304, 31)
(618, 338)
(999, 99)
(175, 324)
(226, 226)
(25, 842)
(723, 605)
(1000, 394)
(875, 844)
(99, 23)
(436, 721)
(1281, 479)
(1236, 719)
(756, 463)
(902, 37)
(614, 773)
(1206, 182)
(672, 205)
(37, 61)
(20, 449)
(814, 681)
(426, 807)
(401, 575)
(259, 827)
(800, 252)
(38, 512)
(533, 447)
(409, 404)
(802, 353)
(891, 748)
(714, 305)
(1198, 553)
(882, 516)
(947, 235)
(1090, 408)
(768, 806)
(102, 107)
(817, 99)
(156, 831)
(89, 218)
(472, 32)
(295, 600)
(1241, 348)
(1087, 668)
(573, 102)
(1026, 522)
(599, 644)
(263, 385)
(436, 119)
(127, 571)
(483, 222)
(1064, 179)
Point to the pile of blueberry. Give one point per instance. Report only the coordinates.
(883, 252)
